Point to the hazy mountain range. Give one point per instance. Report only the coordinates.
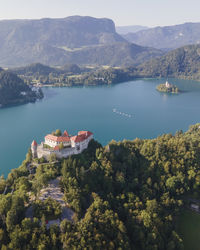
(122, 30)
(168, 37)
(87, 41)
(76, 39)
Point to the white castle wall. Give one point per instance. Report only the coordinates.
(76, 148)
(54, 143)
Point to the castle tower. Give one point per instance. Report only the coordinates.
(34, 149)
(65, 133)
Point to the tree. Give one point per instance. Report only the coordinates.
(58, 132)
(61, 146)
(52, 157)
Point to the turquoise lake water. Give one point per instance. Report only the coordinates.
(91, 108)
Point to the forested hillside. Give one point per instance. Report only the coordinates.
(73, 75)
(13, 90)
(180, 63)
(125, 195)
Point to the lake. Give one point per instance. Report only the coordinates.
(91, 108)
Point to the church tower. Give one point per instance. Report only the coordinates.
(34, 149)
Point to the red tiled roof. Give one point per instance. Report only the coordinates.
(88, 133)
(56, 148)
(51, 137)
(34, 143)
(82, 136)
(76, 138)
(65, 133)
(57, 138)
(63, 139)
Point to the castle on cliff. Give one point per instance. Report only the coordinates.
(62, 146)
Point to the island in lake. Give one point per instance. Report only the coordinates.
(168, 88)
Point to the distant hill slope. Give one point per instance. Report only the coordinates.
(38, 69)
(118, 54)
(122, 30)
(75, 39)
(183, 63)
(169, 37)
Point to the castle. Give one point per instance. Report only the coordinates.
(62, 146)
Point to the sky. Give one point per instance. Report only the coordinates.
(122, 12)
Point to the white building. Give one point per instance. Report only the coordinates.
(53, 141)
(168, 85)
(70, 145)
(80, 141)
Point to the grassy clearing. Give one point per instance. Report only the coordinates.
(189, 229)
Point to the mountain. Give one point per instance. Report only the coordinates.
(117, 54)
(72, 68)
(183, 62)
(76, 40)
(47, 40)
(38, 69)
(169, 37)
(72, 32)
(122, 30)
(33, 69)
(13, 90)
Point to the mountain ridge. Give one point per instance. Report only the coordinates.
(123, 30)
(182, 63)
(55, 42)
(167, 37)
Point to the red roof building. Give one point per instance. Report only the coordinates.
(34, 143)
(57, 138)
(82, 136)
(65, 133)
(56, 148)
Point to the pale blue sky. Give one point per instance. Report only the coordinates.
(123, 12)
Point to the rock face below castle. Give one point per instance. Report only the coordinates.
(62, 146)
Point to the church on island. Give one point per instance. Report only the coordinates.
(168, 85)
(62, 146)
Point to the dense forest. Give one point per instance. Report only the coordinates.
(37, 69)
(126, 195)
(103, 76)
(181, 63)
(13, 90)
(73, 75)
